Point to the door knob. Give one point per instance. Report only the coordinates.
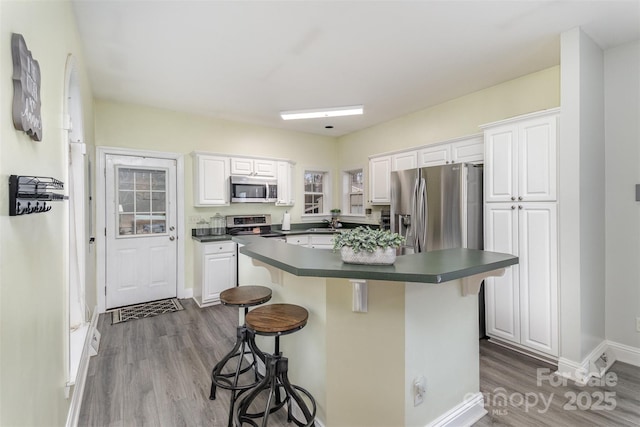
(172, 238)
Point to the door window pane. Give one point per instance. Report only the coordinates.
(142, 201)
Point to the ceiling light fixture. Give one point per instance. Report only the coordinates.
(327, 112)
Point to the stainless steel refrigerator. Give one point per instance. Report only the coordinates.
(439, 207)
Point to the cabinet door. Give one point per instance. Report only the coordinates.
(321, 241)
(434, 156)
(500, 167)
(538, 252)
(219, 274)
(265, 168)
(537, 159)
(299, 239)
(404, 161)
(241, 166)
(380, 180)
(502, 295)
(468, 151)
(285, 184)
(211, 180)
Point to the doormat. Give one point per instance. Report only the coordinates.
(148, 309)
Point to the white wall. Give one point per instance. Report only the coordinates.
(33, 282)
(622, 121)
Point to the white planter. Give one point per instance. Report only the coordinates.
(379, 257)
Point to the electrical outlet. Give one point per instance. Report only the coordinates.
(637, 324)
(419, 390)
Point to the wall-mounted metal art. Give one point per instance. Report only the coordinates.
(26, 89)
(30, 194)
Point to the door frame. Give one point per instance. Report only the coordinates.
(101, 241)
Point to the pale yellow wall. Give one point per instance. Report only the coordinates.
(139, 127)
(455, 118)
(33, 255)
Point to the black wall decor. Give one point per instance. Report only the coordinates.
(26, 89)
(30, 194)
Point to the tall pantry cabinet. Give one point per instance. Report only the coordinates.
(521, 218)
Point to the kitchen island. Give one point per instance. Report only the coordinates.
(374, 330)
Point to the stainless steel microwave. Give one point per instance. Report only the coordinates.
(249, 189)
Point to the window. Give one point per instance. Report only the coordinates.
(353, 192)
(316, 193)
(142, 205)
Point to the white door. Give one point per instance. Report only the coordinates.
(538, 276)
(141, 253)
(502, 294)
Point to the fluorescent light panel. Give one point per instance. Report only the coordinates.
(327, 112)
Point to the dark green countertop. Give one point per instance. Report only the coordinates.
(428, 267)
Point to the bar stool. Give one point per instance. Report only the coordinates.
(276, 320)
(230, 379)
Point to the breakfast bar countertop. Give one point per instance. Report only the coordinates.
(427, 267)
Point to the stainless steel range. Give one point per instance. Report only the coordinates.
(250, 224)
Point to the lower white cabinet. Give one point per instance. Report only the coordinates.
(522, 306)
(216, 269)
(315, 241)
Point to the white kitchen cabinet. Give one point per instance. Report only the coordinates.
(380, 180)
(464, 150)
(321, 241)
(299, 239)
(210, 180)
(522, 306)
(434, 156)
(403, 161)
(468, 150)
(520, 159)
(215, 265)
(253, 167)
(285, 184)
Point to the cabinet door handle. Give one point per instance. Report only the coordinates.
(513, 198)
(519, 206)
(520, 198)
(513, 207)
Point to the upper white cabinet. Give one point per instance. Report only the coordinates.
(402, 161)
(434, 156)
(253, 167)
(467, 150)
(285, 184)
(210, 180)
(380, 180)
(520, 160)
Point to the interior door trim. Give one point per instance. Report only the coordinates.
(101, 242)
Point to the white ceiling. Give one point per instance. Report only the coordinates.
(248, 60)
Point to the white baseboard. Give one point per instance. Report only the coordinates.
(595, 364)
(625, 353)
(186, 293)
(465, 414)
(91, 340)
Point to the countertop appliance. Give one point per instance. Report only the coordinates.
(250, 224)
(247, 189)
(440, 207)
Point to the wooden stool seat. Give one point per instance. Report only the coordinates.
(276, 319)
(245, 296)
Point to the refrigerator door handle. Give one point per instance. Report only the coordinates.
(423, 215)
(415, 217)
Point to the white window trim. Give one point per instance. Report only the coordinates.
(327, 186)
(343, 201)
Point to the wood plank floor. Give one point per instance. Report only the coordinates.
(156, 372)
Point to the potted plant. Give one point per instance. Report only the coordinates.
(335, 212)
(365, 245)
